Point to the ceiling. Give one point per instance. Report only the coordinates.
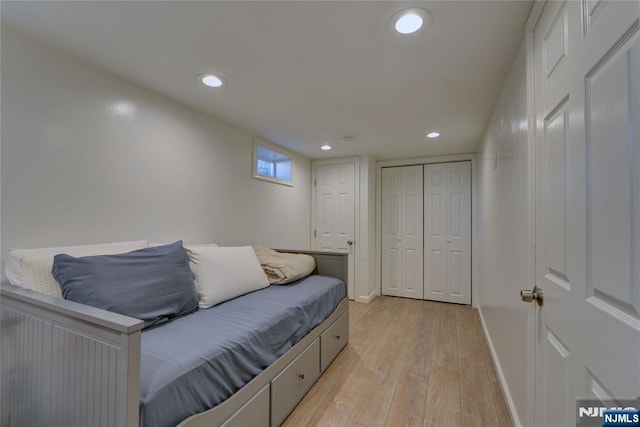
(304, 73)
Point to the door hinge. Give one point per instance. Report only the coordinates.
(315, 233)
(315, 182)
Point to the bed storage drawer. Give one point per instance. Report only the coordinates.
(253, 413)
(333, 340)
(288, 387)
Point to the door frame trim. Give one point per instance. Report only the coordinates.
(474, 204)
(355, 161)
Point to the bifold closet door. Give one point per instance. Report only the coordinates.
(447, 232)
(402, 231)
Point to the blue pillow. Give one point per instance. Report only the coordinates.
(152, 284)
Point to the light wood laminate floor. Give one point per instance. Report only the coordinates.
(408, 363)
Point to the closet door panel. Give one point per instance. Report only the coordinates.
(426, 232)
(459, 232)
(447, 241)
(391, 231)
(412, 232)
(435, 224)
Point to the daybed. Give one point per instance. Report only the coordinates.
(69, 364)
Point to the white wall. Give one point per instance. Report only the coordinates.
(88, 157)
(504, 241)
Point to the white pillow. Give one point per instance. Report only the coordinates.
(31, 268)
(222, 273)
(190, 248)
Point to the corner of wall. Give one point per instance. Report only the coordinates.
(367, 289)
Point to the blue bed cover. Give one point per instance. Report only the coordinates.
(198, 361)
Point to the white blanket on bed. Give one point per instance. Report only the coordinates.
(282, 268)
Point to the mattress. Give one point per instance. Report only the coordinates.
(198, 361)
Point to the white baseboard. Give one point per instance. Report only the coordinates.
(501, 378)
(368, 298)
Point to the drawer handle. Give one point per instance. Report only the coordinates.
(337, 336)
(301, 376)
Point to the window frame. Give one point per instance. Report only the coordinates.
(259, 142)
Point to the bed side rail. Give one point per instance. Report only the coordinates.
(66, 364)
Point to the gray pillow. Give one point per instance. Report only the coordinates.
(152, 284)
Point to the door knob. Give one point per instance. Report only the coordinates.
(530, 295)
(349, 242)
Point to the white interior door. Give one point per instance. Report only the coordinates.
(334, 228)
(587, 112)
(402, 231)
(447, 232)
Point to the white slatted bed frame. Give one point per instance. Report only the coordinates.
(67, 364)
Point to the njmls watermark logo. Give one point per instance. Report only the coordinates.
(619, 413)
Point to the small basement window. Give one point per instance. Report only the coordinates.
(272, 163)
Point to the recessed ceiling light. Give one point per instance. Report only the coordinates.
(326, 147)
(433, 134)
(409, 23)
(410, 20)
(211, 80)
